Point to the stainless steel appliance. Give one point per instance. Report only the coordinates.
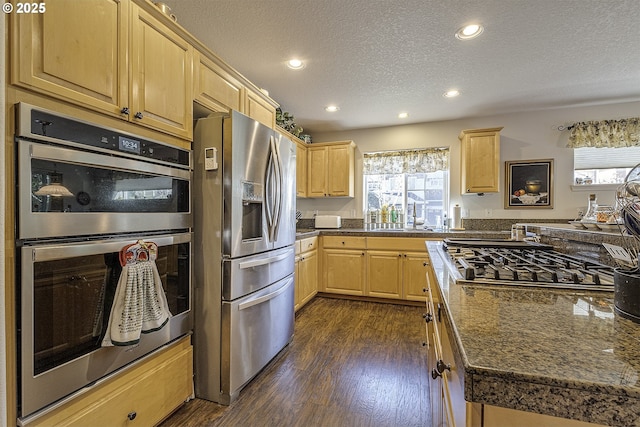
(505, 262)
(244, 226)
(118, 189)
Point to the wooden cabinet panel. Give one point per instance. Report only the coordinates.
(258, 109)
(415, 269)
(161, 76)
(306, 271)
(147, 392)
(330, 169)
(316, 171)
(344, 242)
(343, 271)
(76, 51)
(340, 171)
(214, 88)
(308, 276)
(480, 164)
(384, 274)
(301, 169)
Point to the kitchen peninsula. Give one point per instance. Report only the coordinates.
(523, 351)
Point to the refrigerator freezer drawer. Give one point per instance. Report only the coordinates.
(248, 274)
(254, 329)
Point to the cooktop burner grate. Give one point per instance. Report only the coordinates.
(528, 266)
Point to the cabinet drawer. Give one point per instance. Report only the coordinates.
(308, 244)
(146, 394)
(350, 242)
(408, 244)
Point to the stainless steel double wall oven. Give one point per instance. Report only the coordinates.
(83, 192)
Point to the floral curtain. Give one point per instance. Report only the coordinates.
(406, 161)
(605, 133)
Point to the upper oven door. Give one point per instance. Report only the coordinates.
(108, 194)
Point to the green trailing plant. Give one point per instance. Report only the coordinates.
(287, 122)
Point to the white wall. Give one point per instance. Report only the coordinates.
(526, 136)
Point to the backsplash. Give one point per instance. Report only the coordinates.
(471, 224)
(502, 224)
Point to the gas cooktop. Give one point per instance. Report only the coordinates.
(505, 262)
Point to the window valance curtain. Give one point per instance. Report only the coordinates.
(605, 133)
(406, 161)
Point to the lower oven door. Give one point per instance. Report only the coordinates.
(254, 329)
(67, 291)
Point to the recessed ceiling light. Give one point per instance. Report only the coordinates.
(403, 115)
(295, 64)
(332, 108)
(451, 93)
(469, 32)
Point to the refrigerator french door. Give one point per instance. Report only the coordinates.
(244, 223)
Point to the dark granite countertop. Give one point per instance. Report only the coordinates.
(557, 352)
(409, 232)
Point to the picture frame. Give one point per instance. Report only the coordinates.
(529, 184)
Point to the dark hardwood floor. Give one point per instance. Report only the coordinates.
(351, 363)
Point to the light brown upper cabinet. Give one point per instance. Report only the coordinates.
(301, 169)
(109, 56)
(259, 109)
(480, 165)
(330, 169)
(214, 87)
(161, 77)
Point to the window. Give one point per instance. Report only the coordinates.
(604, 151)
(407, 181)
(603, 165)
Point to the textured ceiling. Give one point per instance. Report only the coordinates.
(377, 58)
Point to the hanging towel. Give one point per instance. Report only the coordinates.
(140, 304)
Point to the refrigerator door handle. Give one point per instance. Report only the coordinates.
(269, 191)
(273, 189)
(263, 261)
(264, 298)
(277, 196)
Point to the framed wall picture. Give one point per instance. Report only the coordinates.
(529, 184)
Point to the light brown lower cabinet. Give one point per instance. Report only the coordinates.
(306, 271)
(343, 265)
(381, 267)
(143, 395)
(446, 388)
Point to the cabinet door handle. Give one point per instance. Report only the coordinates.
(439, 313)
(424, 264)
(132, 415)
(125, 110)
(428, 317)
(424, 290)
(138, 115)
(399, 255)
(441, 366)
(435, 374)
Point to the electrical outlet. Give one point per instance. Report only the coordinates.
(488, 212)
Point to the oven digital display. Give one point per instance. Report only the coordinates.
(128, 144)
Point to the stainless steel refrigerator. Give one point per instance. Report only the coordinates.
(244, 232)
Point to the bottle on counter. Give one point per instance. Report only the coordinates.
(384, 214)
(590, 215)
(394, 214)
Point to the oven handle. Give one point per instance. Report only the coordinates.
(47, 252)
(264, 298)
(66, 155)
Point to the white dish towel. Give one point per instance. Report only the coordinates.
(139, 305)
